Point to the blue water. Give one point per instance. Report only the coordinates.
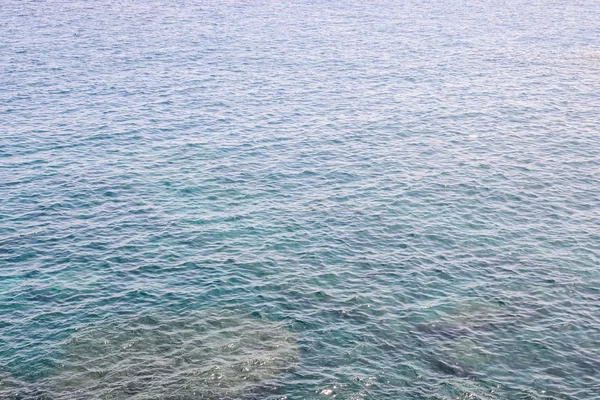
(300, 199)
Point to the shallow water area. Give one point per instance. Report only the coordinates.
(208, 355)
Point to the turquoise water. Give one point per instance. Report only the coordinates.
(299, 200)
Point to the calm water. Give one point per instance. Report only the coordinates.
(300, 199)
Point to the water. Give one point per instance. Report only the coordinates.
(300, 200)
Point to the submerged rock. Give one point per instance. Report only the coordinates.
(468, 320)
(211, 355)
(451, 369)
(464, 337)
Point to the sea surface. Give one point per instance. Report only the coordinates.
(299, 199)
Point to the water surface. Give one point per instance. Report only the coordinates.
(394, 200)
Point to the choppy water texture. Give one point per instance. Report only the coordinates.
(316, 200)
(210, 355)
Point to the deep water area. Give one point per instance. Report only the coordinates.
(299, 200)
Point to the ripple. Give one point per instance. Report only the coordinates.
(209, 355)
(412, 188)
